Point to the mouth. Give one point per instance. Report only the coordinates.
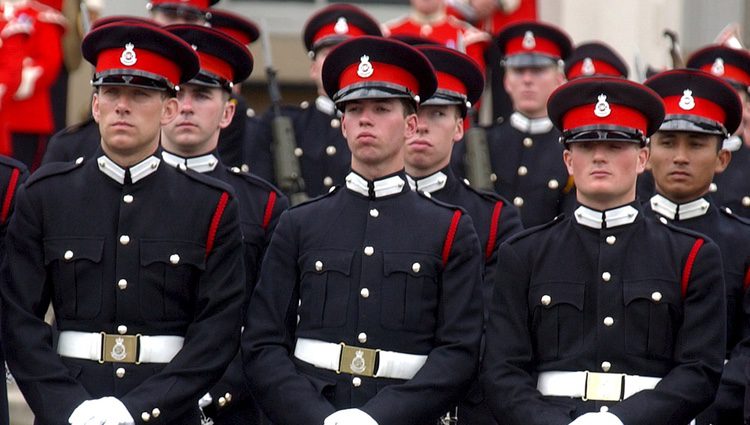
(599, 173)
(121, 124)
(420, 143)
(186, 125)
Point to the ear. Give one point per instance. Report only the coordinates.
(568, 160)
(410, 128)
(169, 110)
(722, 160)
(459, 134)
(643, 155)
(95, 107)
(344, 122)
(226, 117)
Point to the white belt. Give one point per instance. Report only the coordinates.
(358, 360)
(102, 347)
(593, 385)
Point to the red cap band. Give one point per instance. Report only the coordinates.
(240, 36)
(703, 108)
(622, 116)
(201, 4)
(450, 82)
(330, 29)
(216, 66)
(730, 72)
(541, 45)
(144, 60)
(381, 72)
(600, 68)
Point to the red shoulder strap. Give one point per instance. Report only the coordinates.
(689, 265)
(269, 209)
(493, 230)
(747, 278)
(215, 220)
(448, 244)
(9, 192)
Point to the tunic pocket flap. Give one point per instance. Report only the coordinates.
(173, 253)
(72, 249)
(551, 294)
(654, 290)
(417, 265)
(327, 260)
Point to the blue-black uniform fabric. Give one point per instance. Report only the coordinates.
(481, 207)
(732, 187)
(322, 255)
(552, 294)
(233, 138)
(260, 205)
(65, 246)
(68, 144)
(12, 174)
(731, 233)
(323, 154)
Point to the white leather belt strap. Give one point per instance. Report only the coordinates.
(358, 360)
(103, 347)
(593, 385)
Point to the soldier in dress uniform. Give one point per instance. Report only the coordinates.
(191, 141)
(172, 12)
(595, 59)
(142, 262)
(608, 316)
(368, 308)
(732, 187)
(702, 111)
(427, 157)
(525, 155)
(322, 151)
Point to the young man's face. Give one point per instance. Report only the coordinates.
(683, 163)
(375, 130)
(605, 172)
(429, 149)
(130, 118)
(166, 17)
(530, 87)
(203, 112)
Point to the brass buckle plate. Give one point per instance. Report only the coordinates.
(120, 348)
(604, 386)
(357, 361)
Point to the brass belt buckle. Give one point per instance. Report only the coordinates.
(120, 348)
(604, 386)
(357, 360)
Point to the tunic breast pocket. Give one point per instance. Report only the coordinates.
(557, 318)
(168, 275)
(652, 316)
(410, 291)
(76, 274)
(324, 288)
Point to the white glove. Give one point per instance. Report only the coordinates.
(102, 411)
(349, 417)
(29, 74)
(206, 400)
(598, 418)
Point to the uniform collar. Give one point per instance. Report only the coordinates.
(528, 125)
(605, 219)
(429, 184)
(375, 188)
(200, 164)
(673, 211)
(137, 172)
(325, 105)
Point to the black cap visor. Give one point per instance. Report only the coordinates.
(378, 90)
(692, 124)
(529, 60)
(603, 133)
(132, 78)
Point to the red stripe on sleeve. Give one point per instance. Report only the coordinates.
(9, 192)
(689, 265)
(218, 213)
(269, 209)
(493, 230)
(450, 236)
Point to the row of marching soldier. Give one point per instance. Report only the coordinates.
(402, 295)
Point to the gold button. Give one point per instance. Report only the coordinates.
(553, 184)
(416, 267)
(608, 321)
(369, 250)
(663, 220)
(79, 160)
(364, 292)
(356, 381)
(604, 409)
(298, 152)
(518, 201)
(245, 168)
(522, 170)
(493, 177)
(318, 266)
(228, 396)
(606, 276)
(606, 366)
(546, 299)
(174, 258)
(156, 412)
(335, 123)
(327, 181)
(124, 239)
(362, 337)
(746, 201)
(128, 199)
(120, 372)
(68, 255)
(331, 150)
(235, 170)
(122, 283)
(122, 329)
(528, 142)
(611, 240)
(713, 187)
(222, 401)
(656, 296)
(145, 416)
(374, 213)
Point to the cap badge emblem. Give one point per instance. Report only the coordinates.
(588, 67)
(687, 102)
(365, 69)
(358, 362)
(128, 57)
(601, 109)
(119, 352)
(341, 26)
(529, 42)
(718, 67)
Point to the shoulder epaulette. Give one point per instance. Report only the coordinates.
(486, 194)
(535, 229)
(76, 127)
(13, 163)
(206, 180)
(330, 192)
(53, 169)
(679, 229)
(728, 212)
(447, 205)
(252, 178)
